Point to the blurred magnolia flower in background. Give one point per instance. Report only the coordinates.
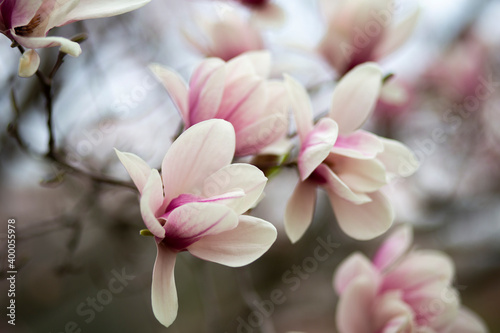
(362, 30)
(27, 22)
(237, 91)
(226, 36)
(197, 206)
(352, 165)
(401, 291)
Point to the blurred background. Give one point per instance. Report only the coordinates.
(75, 235)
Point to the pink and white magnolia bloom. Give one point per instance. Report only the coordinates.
(362, 30)
(28, 22)
(196, 205)
(400, 291)
(226, 37)
(352, 165)
(237, 91)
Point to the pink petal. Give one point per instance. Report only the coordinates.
(163, 291)
(206, 89)
(89, 9)
(245, 177)
(151, 201)
(435, 304)
(239, 246)
(360, 175)
(317, 146)
(300, 210)
(268, 125)
(359, 144)
(364, 221)
(354, 309)
(325, 177)
(394, 247)
(138, 170)
(200, 151)
(355, 97)
(397, 35)
(467, 322)
(398, 159)
(19, 13)
(244, 103)
(253, 138)
(401, 324)
(420, 268)
(188, 223)
(301, 106)
(354, 266)
(176, 87)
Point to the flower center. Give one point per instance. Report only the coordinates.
(28, 29)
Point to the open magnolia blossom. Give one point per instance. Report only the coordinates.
(226, 37)
(27, 22)
(400, 291)
(362, 30)
(237, 91)
(196, 205)
(352, 165)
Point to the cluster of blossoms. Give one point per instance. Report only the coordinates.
(201, 200)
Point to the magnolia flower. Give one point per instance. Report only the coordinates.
(400, 291)
(352, 165)
(237, 91)
(196, 205)
(362, 30)
(27, 22)
(227, 37)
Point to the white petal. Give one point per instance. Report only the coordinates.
(199, 152)
(138, 170)
(397, 35)
(317, 146)
(335, 186)
(261, 61)
(365, 221)
(163, 291)
(467, 322)
(28, 63)
(176, 87)
(301, 106)
(239, 246)
(151, 201)
(236, 176)
(359, 144)
(300, 210)
(88, 9)
(188, 223)
(360, 175)
(398, 159)
(355, 97)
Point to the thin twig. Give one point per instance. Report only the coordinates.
(250, 296)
